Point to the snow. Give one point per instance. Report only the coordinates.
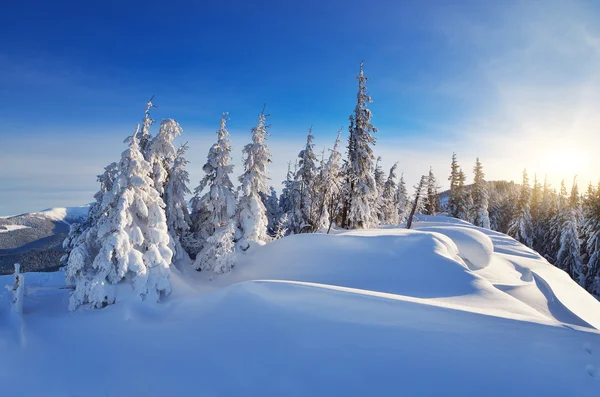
(65, 214)
(371, 312)
(10, 228)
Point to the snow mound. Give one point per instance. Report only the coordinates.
(473, 246)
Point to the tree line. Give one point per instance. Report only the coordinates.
(141, 224)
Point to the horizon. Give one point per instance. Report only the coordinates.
(485, 81)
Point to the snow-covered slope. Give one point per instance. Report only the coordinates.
(35, 239)
(426, 312)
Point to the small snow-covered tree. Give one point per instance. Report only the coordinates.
(252, 214)
(218, 254)
(380, 180)
(216, 207)
(362, 189)
(331, 185)
(419, 199)
(521, 226)
(402, 202)
(389, 208)
(568, 257)
(129, 244)
(481, 215)
(432, 204)
(177, 212)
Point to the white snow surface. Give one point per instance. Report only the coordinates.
(424, 312)
(10, 228)
(65, 214)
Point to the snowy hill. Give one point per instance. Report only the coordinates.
(35, 239)
(446, 309)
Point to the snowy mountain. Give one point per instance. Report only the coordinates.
(445, 309)
(35, 239)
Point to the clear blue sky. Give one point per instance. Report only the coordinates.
(512, 82)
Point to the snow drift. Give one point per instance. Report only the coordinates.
(424, 312)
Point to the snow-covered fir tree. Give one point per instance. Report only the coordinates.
(389, 196)
(361, 167)
(380, 180)
(177, 212)
(536, 213)
(106, 180)
(432, 205)
(129, 244)
(214, 208)
(568, 257)
(251, 212)
(479, 193)
(402, 200)
(218, 254)
(271, 203)
(455, 196)
(331, 186)
(553, 237)
(145, 137)
(305, 177)
(419, 199)
(521, 227)
(161, 153)
(592, 242)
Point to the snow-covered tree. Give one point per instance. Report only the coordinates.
(144, 136)
(305, 177)
(218, 254)
(106, 181)
(481, 215)
(216, 207)
(252, 214)
(402, 200)
(177, 212)
(432, 204)
(592, 243)
(271, 203)
(129, 244)
(559, 210)
(419, 199)
(568, 257)
(362, 189)
(331, 186)
(521, 227)
(389, 196)
(455, 196)
(380, 180)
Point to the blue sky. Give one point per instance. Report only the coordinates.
(515, 83)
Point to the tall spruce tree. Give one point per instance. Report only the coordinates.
(215, 208)
(521, 227)
(454, 198)
(432, 205)
(305, 176)
(419, 199)
(402, 200)
(389, 204)
(481, 216)
(362, 189)
(251, 213)
(568, 257)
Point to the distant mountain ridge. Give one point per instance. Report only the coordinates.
(35, 239)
